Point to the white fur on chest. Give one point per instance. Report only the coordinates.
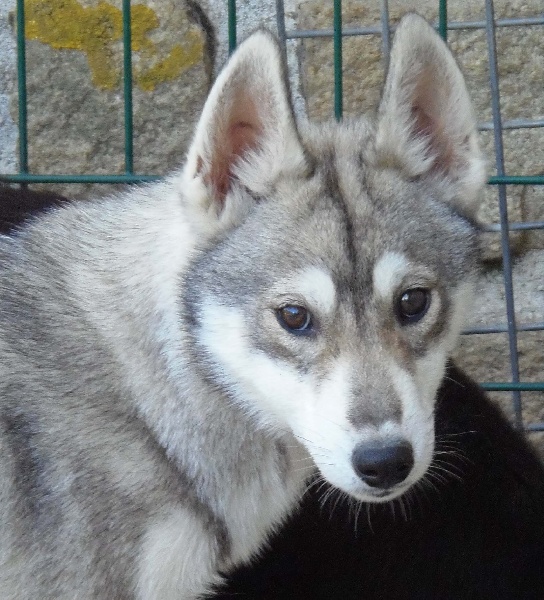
(253, 511)
(180, 556)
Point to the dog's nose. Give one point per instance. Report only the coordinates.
(383, 465)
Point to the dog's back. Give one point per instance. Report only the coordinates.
(60, 375)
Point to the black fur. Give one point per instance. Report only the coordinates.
(478, 537)
(19, 204)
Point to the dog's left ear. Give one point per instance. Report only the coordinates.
(426, 124)
(247, 132)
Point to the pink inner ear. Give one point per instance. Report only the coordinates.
(430, 126)
(423, 124)
(240, 137)
(243, 136)
(242, 131)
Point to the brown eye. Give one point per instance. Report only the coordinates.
(412, 305)
(296, 319)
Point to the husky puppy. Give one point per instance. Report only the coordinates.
(473, 527)
(175, 361)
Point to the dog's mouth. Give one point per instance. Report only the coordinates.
(381, 495)
(363, 493)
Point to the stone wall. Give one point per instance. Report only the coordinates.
(75, 95)
(8, 129)
(74, 56)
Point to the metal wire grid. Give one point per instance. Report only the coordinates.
(515, 386)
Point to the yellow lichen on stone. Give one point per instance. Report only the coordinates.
(178, 60)
(97, 31)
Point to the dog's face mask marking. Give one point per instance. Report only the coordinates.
(336, 266)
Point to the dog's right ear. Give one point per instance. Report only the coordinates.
(247, 133)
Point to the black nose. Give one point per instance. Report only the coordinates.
(383, 465)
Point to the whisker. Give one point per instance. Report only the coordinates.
(339, 496)
(309, 468)
(358, 512)
(436, 476)
(321, 481)
(458, 434)
(448, 466)
(427, 483)
(368, 518)
(454, 381)
(446, 472)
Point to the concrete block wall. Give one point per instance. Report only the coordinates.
(75, 108)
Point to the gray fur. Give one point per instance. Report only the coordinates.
(138, 463)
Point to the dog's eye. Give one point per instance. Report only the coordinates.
(412, 305)
(296, 319)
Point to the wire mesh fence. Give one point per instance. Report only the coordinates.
(500, 180)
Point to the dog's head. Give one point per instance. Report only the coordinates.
(336, 265)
